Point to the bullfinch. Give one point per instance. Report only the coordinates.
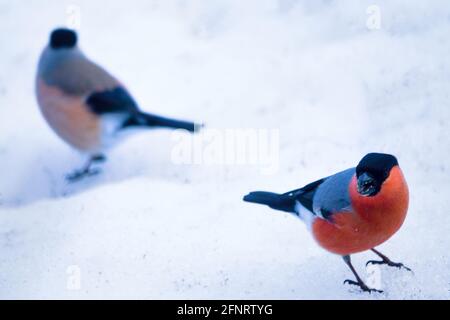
(85, 105)
(352, 211)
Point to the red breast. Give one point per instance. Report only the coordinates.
(69, 117)
(372, 221)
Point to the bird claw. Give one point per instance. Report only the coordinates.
(99, 158)
(87, 170)
(389, 263)
(80, 174)
(362, 286)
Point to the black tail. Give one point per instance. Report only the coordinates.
(283, 202)
(151, 120)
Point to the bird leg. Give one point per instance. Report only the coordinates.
(87, 170)
(386, 260)
(358, 281)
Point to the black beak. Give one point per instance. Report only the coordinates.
(367, 185)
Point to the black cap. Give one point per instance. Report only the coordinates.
(63, 39)
(377, 164)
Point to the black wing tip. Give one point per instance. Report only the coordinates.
(254, 196)
(247, 197)
(197, 127)
(110, 101)
(273, 200)
(191, 127)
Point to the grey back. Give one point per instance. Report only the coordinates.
(72, 72)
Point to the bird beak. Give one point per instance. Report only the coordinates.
(366, 185)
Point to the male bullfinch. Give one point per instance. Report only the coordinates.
(85, 105)
(352, 211)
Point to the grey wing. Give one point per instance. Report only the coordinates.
(332, 195)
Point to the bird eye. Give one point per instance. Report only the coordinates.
(367, 185)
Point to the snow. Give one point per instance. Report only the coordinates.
(150, 228)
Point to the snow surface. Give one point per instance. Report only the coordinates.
(148, 228)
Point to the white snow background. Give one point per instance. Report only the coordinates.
(148, 228)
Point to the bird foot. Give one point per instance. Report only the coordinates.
(99, 158)
(362, 286)
(80, 174)
(87, 170)
(389, 263)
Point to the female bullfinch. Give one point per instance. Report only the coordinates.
(85, 105)
(352, 211)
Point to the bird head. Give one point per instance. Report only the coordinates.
(63, 38)
(372, 171)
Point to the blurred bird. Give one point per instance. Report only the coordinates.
(352, 211)
(85, 105)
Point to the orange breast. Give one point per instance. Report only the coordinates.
(373, 220)
(69, 117)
